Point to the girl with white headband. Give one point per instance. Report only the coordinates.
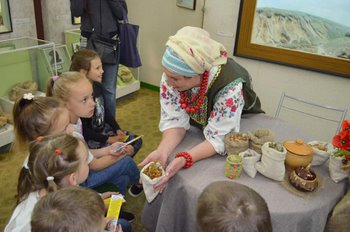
(200, 86)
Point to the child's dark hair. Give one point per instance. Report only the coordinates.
(82, 60)
(228, 206)
(34, 117)
(69, 209)
(50, 159)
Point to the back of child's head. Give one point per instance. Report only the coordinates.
(81, 60)
(51, 159)
(231, 207)
(61, 86)
(70, 209)
(33, 117)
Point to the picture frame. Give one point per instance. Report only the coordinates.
(250, 42)
(60, 53)
(188, 4)
(75, 46)
(5, 17)
(76, 20)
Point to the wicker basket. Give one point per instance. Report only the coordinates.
(20, 89)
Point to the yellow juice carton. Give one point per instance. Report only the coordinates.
(115, 204)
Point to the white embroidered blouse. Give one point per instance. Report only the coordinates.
(224, 118)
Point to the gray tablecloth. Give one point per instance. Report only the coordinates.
(175, 209)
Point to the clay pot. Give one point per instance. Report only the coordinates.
(298, 153)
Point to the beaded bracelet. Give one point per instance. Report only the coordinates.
(188, 158)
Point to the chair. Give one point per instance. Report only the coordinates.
(297, 108)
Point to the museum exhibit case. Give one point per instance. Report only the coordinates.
(26, 60)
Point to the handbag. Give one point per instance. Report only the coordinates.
(105, 47)
(129, 55)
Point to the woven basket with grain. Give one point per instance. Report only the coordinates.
(20, 89)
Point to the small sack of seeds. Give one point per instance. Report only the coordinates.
(322, 151)
(250, 158)
(272, 161)
(236, 142)
(151, 174)
(258, 137)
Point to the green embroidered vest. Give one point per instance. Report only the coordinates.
(227, 73)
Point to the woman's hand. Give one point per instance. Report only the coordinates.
(154, 156)
(170, 171)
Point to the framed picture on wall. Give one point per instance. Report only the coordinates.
(303, 34)
(189, 4)
(5, 17)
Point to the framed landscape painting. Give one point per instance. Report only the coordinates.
(5, 17)
(313, 34)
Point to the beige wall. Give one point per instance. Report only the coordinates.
(23, 20)
(158, 19)
(56, 19)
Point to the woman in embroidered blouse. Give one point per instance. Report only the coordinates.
(202, 87)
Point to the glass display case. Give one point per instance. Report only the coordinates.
(23, 59)
(125, 85)
(27, 59)
(72, 38)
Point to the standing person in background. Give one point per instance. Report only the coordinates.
(101, 17)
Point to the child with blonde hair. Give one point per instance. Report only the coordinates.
(54, 162)
(101, 129)
(75, 90)
(70, 209)
(36, 116)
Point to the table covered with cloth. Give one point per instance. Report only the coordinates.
(175, 209)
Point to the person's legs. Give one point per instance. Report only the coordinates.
(109, 82)
(121, 174)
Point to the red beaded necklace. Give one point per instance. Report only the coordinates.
(193, 105)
